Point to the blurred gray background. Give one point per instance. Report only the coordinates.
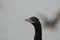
(14, 12)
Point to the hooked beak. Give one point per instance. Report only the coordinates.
(29, 20)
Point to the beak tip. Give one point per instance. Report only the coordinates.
(25, 19)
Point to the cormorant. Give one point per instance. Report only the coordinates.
(37, 25)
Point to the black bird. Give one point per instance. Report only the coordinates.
(37, 25)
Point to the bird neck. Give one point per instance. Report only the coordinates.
(38, 32)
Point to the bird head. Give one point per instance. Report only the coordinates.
(32, 20)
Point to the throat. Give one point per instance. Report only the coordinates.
(38, 32)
